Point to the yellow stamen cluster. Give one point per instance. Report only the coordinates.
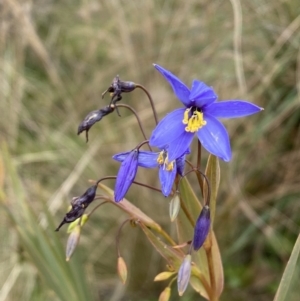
(195, 122)
(163, 160)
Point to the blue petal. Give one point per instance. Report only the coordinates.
(166, 178)
(232, 109)
(214, 138)
(121, 156)
(179, 146)
(201, 94)
(180, 89)
(126, 175)
(168, 129)
(146, 159)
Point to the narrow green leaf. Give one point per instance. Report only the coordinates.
(218, 265)
(212, 172)
(174, 257)
(41, 243)
(288, 274)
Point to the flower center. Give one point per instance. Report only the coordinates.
(193, 120)
(162, 159)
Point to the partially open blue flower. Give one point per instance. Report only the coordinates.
(126, 174)
(167, 169)
(199, 116)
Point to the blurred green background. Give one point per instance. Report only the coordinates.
(57, 57)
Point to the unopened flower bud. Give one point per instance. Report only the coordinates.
(163, 276)
(122, 269)
(72, 226)
(165, 294)
(184, 274)
(174, 207)
(72, 242)
(201, 228)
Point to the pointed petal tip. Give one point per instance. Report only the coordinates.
(227, 159)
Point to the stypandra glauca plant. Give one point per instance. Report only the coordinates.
(193, 257)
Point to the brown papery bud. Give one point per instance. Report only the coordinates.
(122, 269)
(165, 294)
(163, 276)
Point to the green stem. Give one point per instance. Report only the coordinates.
(205, 284)
(199, 167)
(186, 212)
(212, 276)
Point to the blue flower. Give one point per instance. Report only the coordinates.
(199, 116)
(126, 174)
(167, 169)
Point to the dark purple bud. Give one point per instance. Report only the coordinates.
(201, 228)
(72, 215)
(79, 204)
(126, 175)
(92, 118)
(118, 87)
(127, 86)
(86, 198)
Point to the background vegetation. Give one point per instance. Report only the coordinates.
(57, 57)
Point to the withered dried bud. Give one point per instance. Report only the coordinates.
(74, 224)
(165, 294)
(79, 205)
(71, 216)
(163, 276)
(118, 87)
(122, 269)
(92, 118)
(86, 198)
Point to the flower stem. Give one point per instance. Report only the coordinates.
(208, 250)
(118, 236)
(136, 116)
(206, 285)
(199, 167)
(150, 99)
(187, 213)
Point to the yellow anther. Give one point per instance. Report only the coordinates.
(195, 122)
(162, 159)
(186, 116)
(169, 166)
